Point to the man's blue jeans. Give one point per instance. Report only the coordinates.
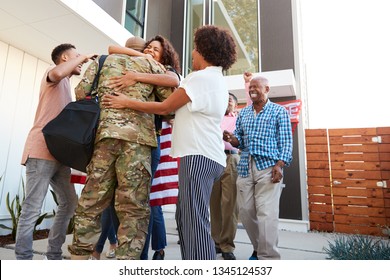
(39, 174)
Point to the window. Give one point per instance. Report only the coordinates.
(135, 17)
(195, 19)
(243, 22)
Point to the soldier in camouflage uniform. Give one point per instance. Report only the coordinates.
(120, 165)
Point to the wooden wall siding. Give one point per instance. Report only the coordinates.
(318, 180)
(346, 196)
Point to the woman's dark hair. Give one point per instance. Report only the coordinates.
(59, 50)
(216, 45)
(234, 97)
(169, 54)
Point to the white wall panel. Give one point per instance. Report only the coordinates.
(3, 60)
(20, 123)
(20, 78)
(8, 105)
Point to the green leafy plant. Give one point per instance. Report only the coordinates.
(14, 208)
(358, 247)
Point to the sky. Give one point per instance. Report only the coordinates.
(346, 52)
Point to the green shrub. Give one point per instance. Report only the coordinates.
(14, 208)
(358, 247)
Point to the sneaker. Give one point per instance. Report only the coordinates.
(159, 255)
(254, 256)
(110, 254)
(228, 256)
(45, 258)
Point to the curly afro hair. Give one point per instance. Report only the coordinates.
(216, 45)
(169, 54)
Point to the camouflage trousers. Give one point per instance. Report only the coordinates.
(118, 170)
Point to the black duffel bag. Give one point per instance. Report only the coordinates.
(70, 136)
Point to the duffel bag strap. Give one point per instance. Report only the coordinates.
(93, 92)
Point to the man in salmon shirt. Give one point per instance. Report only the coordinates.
(42, 168)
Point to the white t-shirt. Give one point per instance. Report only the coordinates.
(197, 128)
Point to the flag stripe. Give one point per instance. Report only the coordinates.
(165, 185)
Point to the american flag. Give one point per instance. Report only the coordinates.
(165, 186)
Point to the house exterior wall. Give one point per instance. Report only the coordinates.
(113, 7)
(21, 72)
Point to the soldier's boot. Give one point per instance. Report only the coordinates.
(79, 257)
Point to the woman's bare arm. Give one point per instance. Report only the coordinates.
(176, 100)
(123, 50)
(169, 79)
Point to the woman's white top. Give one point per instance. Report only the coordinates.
(197, 126)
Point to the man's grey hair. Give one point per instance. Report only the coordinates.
(262, 80)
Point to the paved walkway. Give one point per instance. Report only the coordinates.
(293, 245)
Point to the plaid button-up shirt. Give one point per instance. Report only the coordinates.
(266, 136)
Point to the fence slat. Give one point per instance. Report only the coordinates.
(354, 148)
(317, 207)
(352, 131)
(316, 140)
(372, 175)
(321, 217)
(321, 226)
(374, 166)
(317, 156)
(318, 181)
(359, 211)
(318, 190)
(363, 192)
(316, 148)
(358, 183)
(358, 229)
(320, 173)
(318, 165)
(321, 199)
(337, 157)
(352, 140)
(354, 220)
(315, 132)
(359, 201)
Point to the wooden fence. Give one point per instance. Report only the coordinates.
(348, 178)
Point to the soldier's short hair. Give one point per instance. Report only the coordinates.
(136, 43)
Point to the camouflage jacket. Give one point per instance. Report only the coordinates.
(125, 124)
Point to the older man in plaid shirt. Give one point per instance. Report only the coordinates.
(264, 136)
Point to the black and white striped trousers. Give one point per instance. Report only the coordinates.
(197, 175)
